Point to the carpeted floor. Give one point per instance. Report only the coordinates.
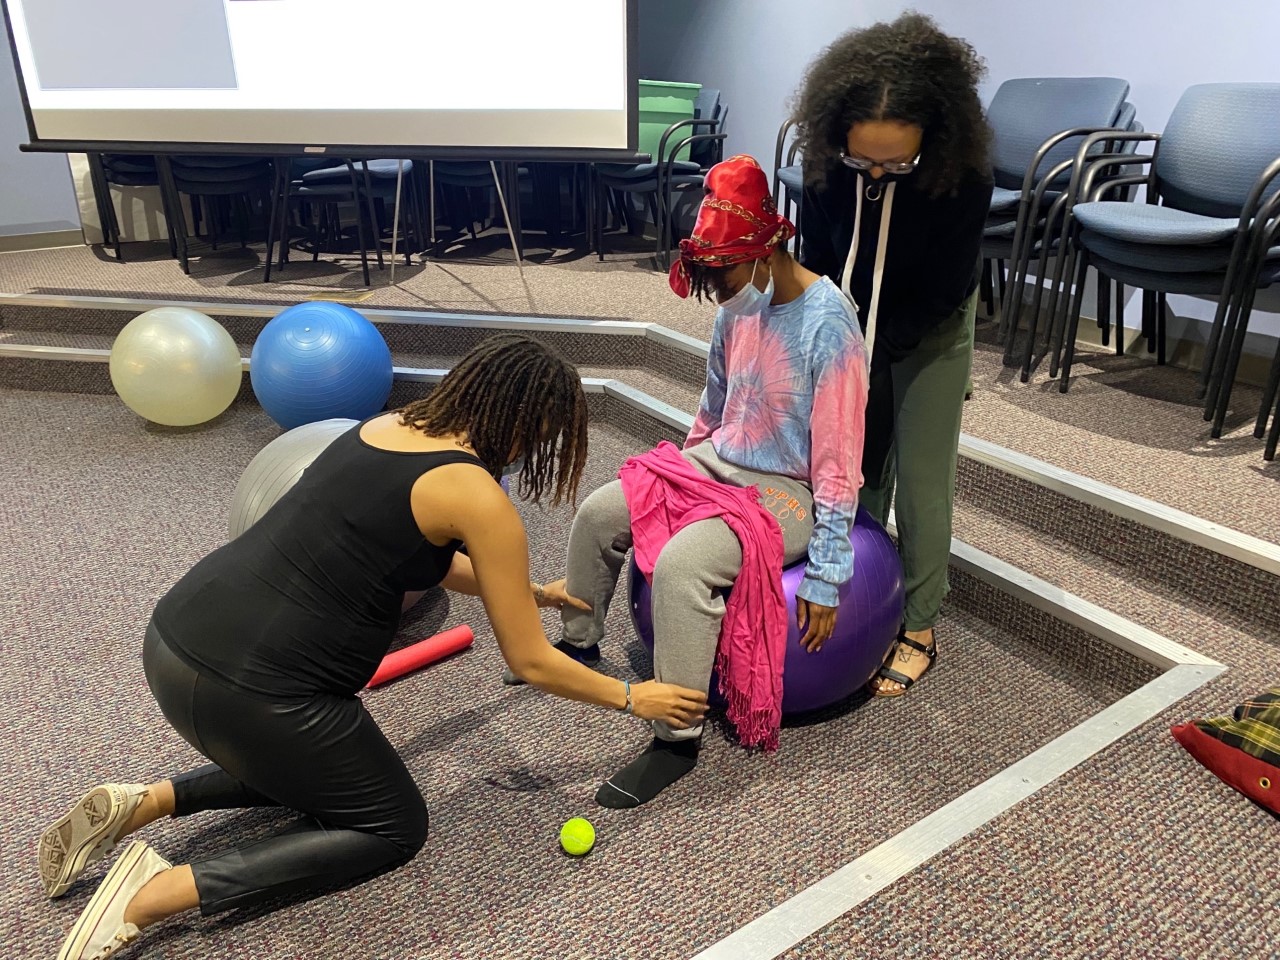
(1125, 421)
(102, 512)
(474, 277)
(1137, 853)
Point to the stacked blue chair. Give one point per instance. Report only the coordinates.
(788, 175)
(456, 180)
(122, 170)
(1037, 124)
(376, 182)
(1258, 259)
(1206, 228)
(218, 185)
(319, 187)
(659, 180)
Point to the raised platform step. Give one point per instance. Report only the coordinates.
(665, 365)
(1217, 606)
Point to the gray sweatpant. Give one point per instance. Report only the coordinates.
(690, 577)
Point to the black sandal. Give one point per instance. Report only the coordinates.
(930, 652)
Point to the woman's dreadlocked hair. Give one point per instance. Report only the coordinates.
(907, 70)
(706, 281)
(513, 396)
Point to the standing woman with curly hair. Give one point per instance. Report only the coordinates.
(898, 184)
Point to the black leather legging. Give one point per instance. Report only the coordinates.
(323, 757)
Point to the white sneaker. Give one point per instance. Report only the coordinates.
(86, 833)
(101, 929)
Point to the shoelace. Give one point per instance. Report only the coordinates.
(122, 940)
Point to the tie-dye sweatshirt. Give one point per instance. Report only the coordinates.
(786, 393)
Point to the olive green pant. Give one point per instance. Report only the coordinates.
(912, 434)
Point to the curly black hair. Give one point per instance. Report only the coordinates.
(513, 394)
(906, 70)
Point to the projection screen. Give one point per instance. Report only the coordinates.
(489, 76)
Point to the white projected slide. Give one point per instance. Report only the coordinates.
(477, 73)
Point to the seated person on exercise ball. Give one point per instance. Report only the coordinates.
(256, 655)
(782, 411)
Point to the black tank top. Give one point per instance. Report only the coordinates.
(308, 599)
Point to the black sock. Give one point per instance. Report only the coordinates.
(665, 762)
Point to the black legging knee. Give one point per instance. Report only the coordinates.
(323, 756)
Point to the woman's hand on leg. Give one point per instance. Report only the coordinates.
(554, 595)
(678, 707)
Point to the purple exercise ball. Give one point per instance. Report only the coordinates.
(870, 615)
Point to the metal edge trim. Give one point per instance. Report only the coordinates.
(1178, 524)
(1129, 506)
(804, 914)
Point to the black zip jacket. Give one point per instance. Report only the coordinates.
(931, 264)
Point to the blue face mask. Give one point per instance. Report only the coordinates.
(750, 300)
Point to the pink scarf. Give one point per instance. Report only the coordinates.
(666, 493)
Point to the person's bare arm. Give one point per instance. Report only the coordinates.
(498, 551)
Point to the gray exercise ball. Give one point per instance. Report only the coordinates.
(277, 468)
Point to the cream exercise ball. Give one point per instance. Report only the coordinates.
(277, 467)
(175, 367)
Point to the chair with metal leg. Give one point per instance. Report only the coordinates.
(319, 204)
(122, 170)
(1211, 173)
(666, 174)
(1036, 123)
(1050, 241)
(457, 182)
(220, 187)
(1259, 268)
(788, 176)
(670, 181)
(376, 180)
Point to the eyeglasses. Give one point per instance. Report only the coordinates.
(889, 166)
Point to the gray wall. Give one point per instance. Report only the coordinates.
(36, 195)
(756, 52)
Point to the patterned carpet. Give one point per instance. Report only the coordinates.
(474, 277)
(102, 512)
(1139, 853)
(1135, 425)
(1125, 421)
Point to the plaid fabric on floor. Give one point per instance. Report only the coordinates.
(1243, 749)
(1255, 728)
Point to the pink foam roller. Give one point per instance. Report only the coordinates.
(422, 654)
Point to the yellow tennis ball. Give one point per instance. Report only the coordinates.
(577, 836)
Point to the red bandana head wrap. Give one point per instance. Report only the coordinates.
(737, 222)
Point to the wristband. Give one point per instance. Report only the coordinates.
(630, 707)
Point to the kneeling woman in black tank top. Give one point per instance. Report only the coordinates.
(256, 655)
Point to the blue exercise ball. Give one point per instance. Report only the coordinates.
(869, 617)
(320, 361)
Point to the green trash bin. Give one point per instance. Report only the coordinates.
(662, 104)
